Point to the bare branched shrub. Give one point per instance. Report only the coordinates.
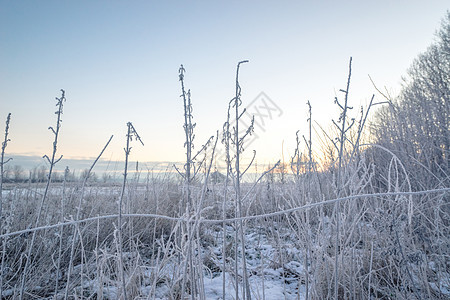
(415, 126)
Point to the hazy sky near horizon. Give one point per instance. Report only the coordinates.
(118, 61)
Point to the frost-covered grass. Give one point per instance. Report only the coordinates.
(353, 225)
(396, 246)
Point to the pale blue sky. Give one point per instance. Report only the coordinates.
(118, 62)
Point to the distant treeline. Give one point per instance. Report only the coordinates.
(18, 174)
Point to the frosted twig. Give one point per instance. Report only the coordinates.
(77, 216)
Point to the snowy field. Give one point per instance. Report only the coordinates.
(285, 253)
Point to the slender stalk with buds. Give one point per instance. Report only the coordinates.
(343, 128)
(238, 142)
(52, 161)
(131, 133)
(2, 164)
(188, 206)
